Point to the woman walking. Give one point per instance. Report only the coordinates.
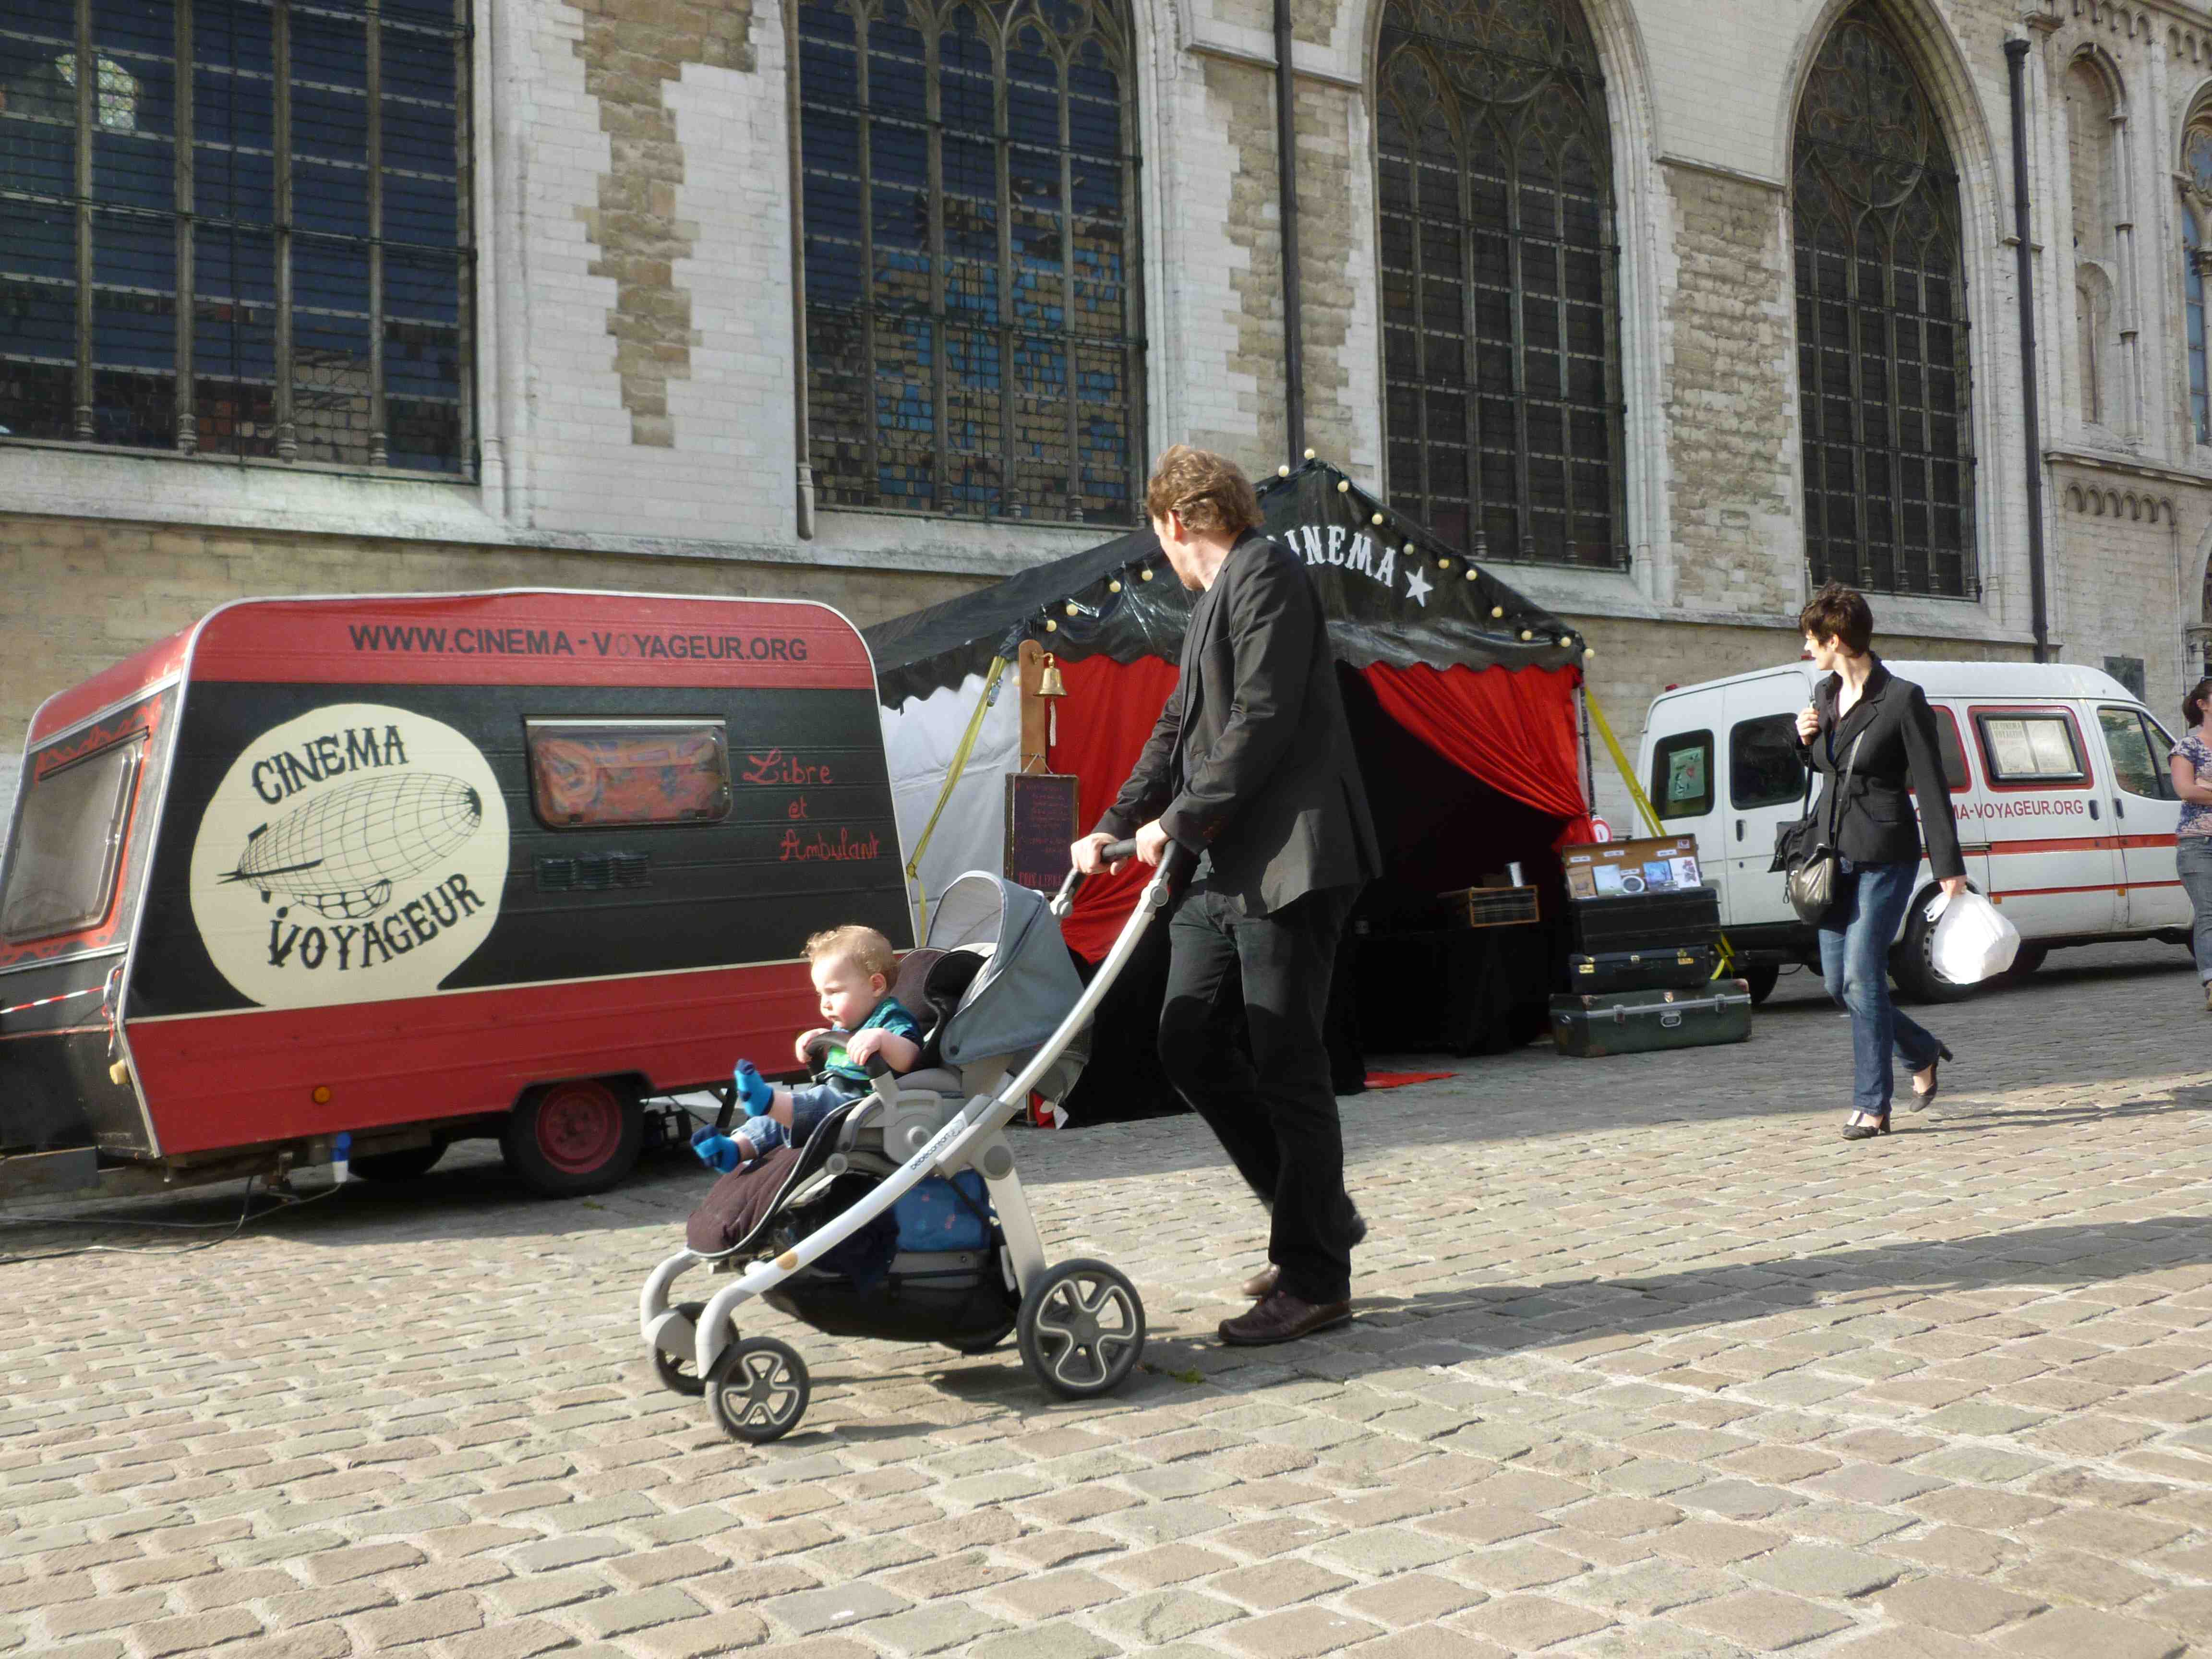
(1873, 736)
(2191, 765)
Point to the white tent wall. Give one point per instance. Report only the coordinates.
(920, 737)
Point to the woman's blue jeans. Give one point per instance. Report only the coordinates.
(2192, 862)
(1855, 940)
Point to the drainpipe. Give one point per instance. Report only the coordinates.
(2016, 67)
(1287, 169)
(802, 434)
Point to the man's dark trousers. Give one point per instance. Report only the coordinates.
(1274, 1110)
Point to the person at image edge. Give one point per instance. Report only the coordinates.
(1251, 767)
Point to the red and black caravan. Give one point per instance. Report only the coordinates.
(414, 868)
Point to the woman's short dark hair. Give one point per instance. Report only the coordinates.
(2193, 705)
(1837, 613)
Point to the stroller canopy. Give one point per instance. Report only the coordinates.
(1028, 982)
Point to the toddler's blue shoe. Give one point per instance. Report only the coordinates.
(755, 1092)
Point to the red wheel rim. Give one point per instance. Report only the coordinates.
(579, 1126)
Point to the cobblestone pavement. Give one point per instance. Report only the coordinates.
(1649, 1363)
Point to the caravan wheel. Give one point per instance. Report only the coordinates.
(580, 1136)
(1081, 1329)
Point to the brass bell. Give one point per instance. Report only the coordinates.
(1049, 682)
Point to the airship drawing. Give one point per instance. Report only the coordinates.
(341, 852)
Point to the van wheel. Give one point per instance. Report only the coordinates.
(2029, 959)
(411, 1163)
(1912, 961)
(1761, 977)
(579, 1136)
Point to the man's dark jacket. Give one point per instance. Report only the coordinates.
(1251, 760)
(1876, 823)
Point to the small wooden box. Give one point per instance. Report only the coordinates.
(1491, 906)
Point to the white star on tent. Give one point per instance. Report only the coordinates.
(1416, 587)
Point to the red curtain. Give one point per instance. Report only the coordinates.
(1513, 728)
(1109, 712)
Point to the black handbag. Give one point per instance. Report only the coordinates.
(1810, 856)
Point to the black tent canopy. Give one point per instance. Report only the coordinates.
(1394, 593)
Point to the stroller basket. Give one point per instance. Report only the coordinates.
(822, 1241)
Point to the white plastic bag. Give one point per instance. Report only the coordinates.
(1973, 940)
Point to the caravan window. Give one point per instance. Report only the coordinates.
(600, 775)
(68, 845)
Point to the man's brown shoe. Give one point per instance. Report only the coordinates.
(1283, 1318)
(1261, 1285)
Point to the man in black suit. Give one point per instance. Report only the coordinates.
(1251, 767)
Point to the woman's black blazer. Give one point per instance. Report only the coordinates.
(1876, 824)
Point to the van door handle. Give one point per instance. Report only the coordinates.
(1738, 828)
(2093, 812)
(2120, 807)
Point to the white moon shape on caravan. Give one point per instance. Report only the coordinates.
(376, 872)
(343, 850)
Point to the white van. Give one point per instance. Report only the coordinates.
(2059, 788)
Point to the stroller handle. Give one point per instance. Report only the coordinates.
(1112, 853)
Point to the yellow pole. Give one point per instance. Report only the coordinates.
(959, 764)
(1621, 760)
(1725, 968)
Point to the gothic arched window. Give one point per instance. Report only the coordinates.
(1500, 315)
(238, 229)
(2196, 258)
(1882, 381)
(973, 316)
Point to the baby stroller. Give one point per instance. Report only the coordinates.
(901, 1217)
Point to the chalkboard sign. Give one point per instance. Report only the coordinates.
(1040, 823)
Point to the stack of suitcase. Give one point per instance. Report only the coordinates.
(1642, 968)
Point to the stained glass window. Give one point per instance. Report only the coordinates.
(2196, 213)
(971, 261)
(1502, 409)
(244, 232)
(1882, 380)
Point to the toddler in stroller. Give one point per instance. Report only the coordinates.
(901, 1215)
(851, 968)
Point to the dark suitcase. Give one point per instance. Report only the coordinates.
(1645, 921)
(1680, 969)
(1640, 1022)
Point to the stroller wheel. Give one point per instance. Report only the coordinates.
(1081, 1329)
(681, 1376)
(759, 1389)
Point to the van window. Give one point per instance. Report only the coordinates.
(2030, 748)
(1762, 766)
(1952, 751)
(600, 774)
(68, 845)
(2139, 752)
(1682, 775)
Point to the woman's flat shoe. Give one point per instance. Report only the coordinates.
(1867, 1131)
(1923, 1096)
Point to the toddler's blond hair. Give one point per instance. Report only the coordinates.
(866, 948)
